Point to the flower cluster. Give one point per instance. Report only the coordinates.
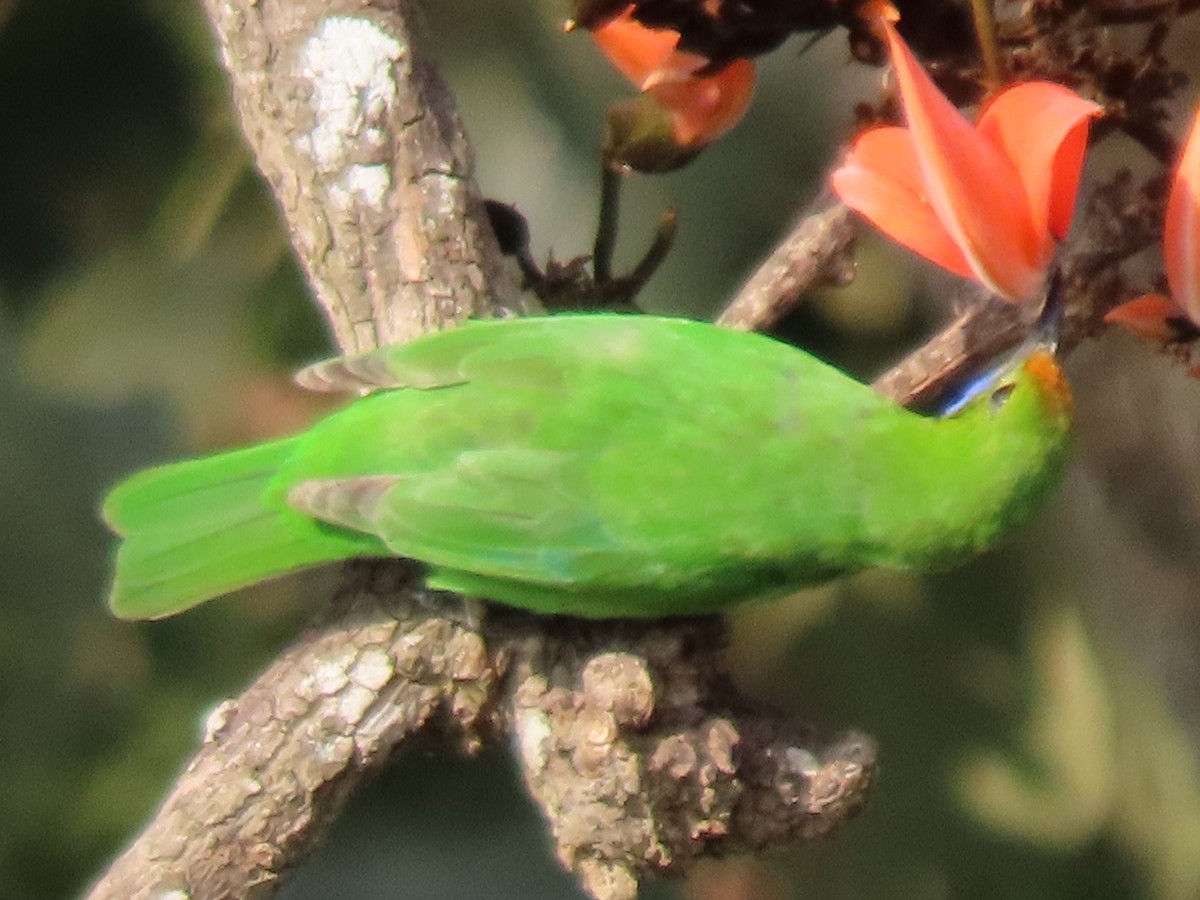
(987, 201)
(990, 201)
(684, 107)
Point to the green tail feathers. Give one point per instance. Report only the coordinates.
(196, 530)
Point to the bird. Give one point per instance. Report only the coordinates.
(601, 466)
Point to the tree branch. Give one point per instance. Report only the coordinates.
(278, 763)
(815, 252)
(360, 141)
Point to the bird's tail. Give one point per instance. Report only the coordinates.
(196, 530)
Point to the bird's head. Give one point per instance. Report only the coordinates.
(1031, 368)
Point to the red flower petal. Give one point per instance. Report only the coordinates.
(974, 189)
(704, 109)
(1147, 316)
(1042, 128)
(1181, 231)
(637, 52)
(880, 179)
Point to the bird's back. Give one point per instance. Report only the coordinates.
(599, 465)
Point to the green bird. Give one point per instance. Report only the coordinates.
(601, 466)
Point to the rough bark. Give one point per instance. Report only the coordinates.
(630, 740)
(362, 146)
(815, 252)
(278, 762)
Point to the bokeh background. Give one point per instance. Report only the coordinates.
(1038, 711)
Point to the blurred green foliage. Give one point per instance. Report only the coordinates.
(149, 307)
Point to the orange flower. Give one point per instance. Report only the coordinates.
(1151, 316)
(702, 107)
(987, 201)
(1181, 232)
(1174, 318)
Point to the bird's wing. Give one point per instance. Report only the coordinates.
(439, 360)
(537, 351)
(371, 371)
(504, 513)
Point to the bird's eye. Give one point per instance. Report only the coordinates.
(1000, 395)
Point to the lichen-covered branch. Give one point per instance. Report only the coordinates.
(278, 762)
(644, 759)
(362, 146)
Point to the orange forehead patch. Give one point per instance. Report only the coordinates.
(1055, 390)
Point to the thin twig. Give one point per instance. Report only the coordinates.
(989, 48)
(606, 231)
